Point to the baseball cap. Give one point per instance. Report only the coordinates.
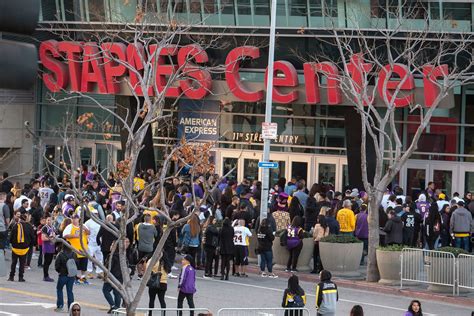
(68, 197)
(442, 196)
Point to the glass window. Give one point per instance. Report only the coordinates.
(243, 7)
(298, 7)
(451, 11)
(345, 176)
(277, 173)
(323, 8)
(262, 7)
(227, 7)
(96, 10)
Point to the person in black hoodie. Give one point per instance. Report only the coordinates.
(311, 211)
(226, 245)
(21, 239)
(394, 229)
(63, 278)
(265, 239)
(116, 271)
(210, 241)
(105, 238)
(293, 297)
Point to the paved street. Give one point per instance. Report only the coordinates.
(36, 297)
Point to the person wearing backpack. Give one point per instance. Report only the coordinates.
(66, 267)
(210, 241)
(294, 243)
(293, 297)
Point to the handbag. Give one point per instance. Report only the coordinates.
(154, 281)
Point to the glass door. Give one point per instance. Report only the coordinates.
(229, 164)
(281, 171)
(444, 177)
(104, 158)
(300, 168)
(327, 171)
(249, 166)
(416, 178)
(466, 179)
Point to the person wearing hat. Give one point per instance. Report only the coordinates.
(442, 201)
(280, 212)
(187, 283)
(72, 234)
(68, 205)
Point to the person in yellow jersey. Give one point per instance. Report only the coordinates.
(72, 234)
(346, 218)
(22, 238)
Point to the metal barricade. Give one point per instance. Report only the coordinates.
(165, 311)
(263, 312)
(465, 272)
(428, 266)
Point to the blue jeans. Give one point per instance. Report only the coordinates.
(266, 259)
(464, 241)
(64, 280)
(113, 301)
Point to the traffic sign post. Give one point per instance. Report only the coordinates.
(268, 164)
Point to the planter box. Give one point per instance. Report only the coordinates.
(281, 254)
(389, 264)
(341, 259)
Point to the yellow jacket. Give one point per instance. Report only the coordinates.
(347, 220)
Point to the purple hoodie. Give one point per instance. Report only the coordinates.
(187, 280)
(362, 226)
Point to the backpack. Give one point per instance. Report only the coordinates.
(297, 301)
(71, 267)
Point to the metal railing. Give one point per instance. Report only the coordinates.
(166, 311)
(429, 267)
(465, 272)
(263, 312)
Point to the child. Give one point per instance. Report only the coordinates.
(187, 283)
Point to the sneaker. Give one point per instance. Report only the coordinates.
(237, 274)
(294, 271)
(48, 279)
(172, 276)
(27, 268)
(206, 276)
(174, 268)
(90, 275)
(59, 309)
(263, 275)
(273, 276)
(21, 280)
(111, 310)
(85, 282)
(11, 279)
(77, 282)
(243, 275)
(287, 270)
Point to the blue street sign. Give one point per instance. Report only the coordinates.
(268, 164)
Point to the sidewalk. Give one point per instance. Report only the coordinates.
(410, 291)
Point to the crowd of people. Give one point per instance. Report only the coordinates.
(225, 215)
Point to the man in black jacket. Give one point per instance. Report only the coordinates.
(105, 238)
(116, 271)
(22, 238)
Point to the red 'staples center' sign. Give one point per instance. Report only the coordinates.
(87, 67)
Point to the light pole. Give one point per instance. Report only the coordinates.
(268, 112)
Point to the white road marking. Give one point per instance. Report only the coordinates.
(44, 305)
(10, 314)
(311, 295)
(171, 297)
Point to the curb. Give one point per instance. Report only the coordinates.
(379, 288)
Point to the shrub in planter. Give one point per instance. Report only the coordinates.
(341, 254)
(440, 269)
(389, 263)
(281, 254)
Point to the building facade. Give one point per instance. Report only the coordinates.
(312, 138)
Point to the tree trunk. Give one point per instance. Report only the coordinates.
(372, 268)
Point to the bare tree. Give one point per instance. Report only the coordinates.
(375, 71)
(150, 45)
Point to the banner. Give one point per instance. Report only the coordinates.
(196, 123)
